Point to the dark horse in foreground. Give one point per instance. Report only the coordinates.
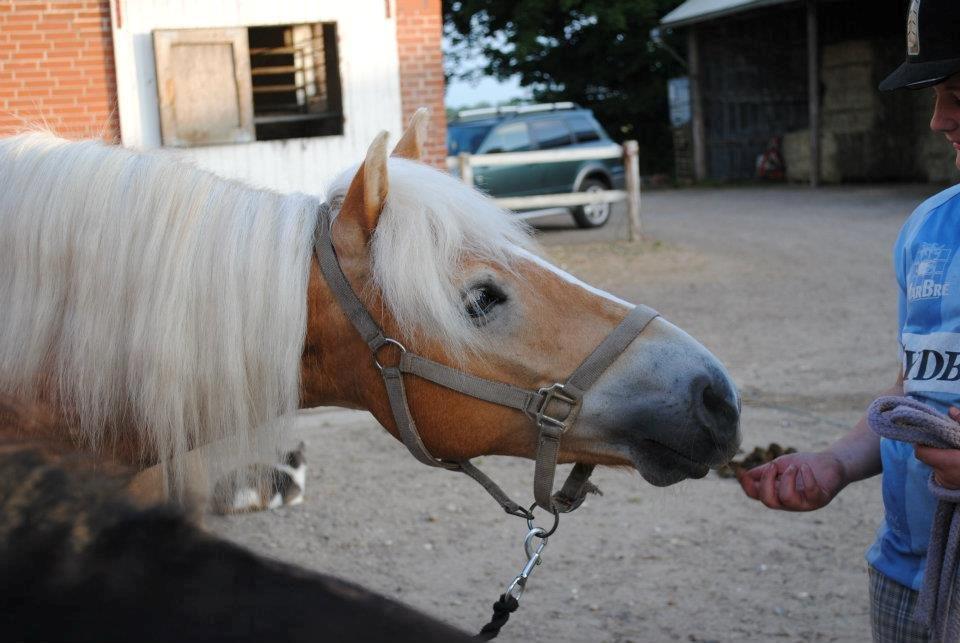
(78, 562)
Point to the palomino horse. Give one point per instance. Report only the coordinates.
(153, 308)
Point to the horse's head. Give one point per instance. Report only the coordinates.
(449, 275)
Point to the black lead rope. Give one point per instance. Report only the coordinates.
(502, 610)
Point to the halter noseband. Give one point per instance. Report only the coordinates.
(553, 409)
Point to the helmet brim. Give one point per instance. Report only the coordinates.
(917, 75)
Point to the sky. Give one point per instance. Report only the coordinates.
(462, 93)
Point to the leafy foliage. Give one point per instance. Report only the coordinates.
(597, 53)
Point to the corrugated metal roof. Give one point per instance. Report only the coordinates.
(693, 11)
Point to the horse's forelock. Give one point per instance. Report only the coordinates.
(431, 225)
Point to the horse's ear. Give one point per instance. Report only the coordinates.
(410, 145)
(368, 190)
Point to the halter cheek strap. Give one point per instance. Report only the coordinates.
(553, 409)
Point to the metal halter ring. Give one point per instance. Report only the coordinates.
(547, 534)
(386, 340)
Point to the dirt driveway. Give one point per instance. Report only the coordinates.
(793, 290)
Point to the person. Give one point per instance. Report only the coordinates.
(927, 265)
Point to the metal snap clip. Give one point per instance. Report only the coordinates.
(519, 584)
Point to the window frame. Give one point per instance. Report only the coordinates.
(176, 132)
(190, 129)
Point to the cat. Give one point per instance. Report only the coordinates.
(258, 487)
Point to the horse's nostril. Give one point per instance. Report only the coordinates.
(714, 403)
(721, 406)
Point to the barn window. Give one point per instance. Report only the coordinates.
(296, 85)
(238, 85)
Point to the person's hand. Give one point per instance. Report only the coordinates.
(944, 462)
(795, 482)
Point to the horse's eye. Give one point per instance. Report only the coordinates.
(481, 300)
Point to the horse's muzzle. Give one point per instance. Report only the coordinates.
(669, 406)
(670, 443)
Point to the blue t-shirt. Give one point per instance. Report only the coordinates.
(925, 259)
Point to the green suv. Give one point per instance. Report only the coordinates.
(537, 127)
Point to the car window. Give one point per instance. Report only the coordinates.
(550, 133)
(583, 128)
(511, 137)
(465, 138)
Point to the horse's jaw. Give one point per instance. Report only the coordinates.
(667, 407)
(661, 466)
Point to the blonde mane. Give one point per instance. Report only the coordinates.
(136, 289)
(139, 290)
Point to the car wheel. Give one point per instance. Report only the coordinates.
(592, 215)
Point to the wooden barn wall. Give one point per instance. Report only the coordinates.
(755, 88)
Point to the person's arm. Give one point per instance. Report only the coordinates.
(944, 462)
(808, 481)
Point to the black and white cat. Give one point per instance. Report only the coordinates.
(261, 486)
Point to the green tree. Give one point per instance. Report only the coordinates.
(597, 53)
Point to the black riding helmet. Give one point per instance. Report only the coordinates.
(933, 45)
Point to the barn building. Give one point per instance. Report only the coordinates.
(804, 72)
(280, 94)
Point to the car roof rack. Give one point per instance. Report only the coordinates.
(482, 112)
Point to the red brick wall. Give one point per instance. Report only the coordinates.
(419, 23)
(56, 68)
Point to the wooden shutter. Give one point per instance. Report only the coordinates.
(203, 85)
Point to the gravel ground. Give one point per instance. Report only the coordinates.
(793, 291)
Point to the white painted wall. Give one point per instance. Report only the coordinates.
(369, 72)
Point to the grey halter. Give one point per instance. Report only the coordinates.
(553, 409)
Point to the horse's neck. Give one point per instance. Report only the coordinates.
(44, 419)
(333, 353)
(41, 424)
(35, 419)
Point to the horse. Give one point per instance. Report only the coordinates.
(71, 543)
(151, 309)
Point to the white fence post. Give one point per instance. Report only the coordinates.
(466, 170)
(631, 168)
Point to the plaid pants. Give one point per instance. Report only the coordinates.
(891, 612)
